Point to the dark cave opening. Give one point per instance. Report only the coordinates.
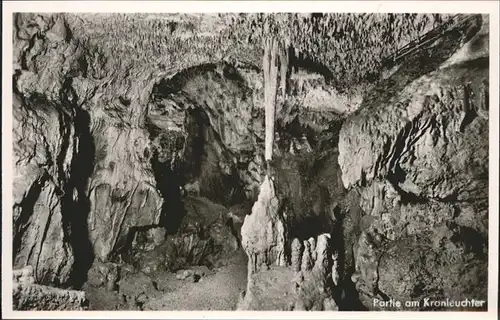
(195, 172)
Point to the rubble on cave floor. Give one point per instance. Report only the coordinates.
(192, 288)
(201, 267)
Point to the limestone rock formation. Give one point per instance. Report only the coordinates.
(307, 260)
(104, 274)
(306, 287)
(103, 168)
(45, 186)
(420, 160)
(30, 296)
(24, 275)
(136, 290)
(59, 181)
(206, 236)
(297, 251)
(264, 234)
(209, 135)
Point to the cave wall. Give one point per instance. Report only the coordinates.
(419, 159)
(49, 151)
(43, 167)
(213, 114)
(79, 150)
(204, 123)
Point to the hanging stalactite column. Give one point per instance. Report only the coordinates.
(269, 64)
(275, 64)
(264, 233)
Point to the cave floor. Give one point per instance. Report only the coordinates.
(218, 289)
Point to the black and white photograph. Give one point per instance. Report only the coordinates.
(249, 160)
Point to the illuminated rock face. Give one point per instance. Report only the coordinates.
(263, 232)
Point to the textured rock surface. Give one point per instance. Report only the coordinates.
(414, 161)
(36, 297)
(264, 234)
(104, 274)
(49, 172)
(420, 160)
(24, 275)
(61, 185)
(309, 287)
(136, 290)
(27, 295)
(206, 236)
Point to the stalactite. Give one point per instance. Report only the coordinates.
(284, 67)
(270, 84)
(276, 56)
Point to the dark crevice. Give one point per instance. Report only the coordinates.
(124, 101)
(31, 43)
(196, 122)
(473, 241)
(304, 62)
(479, 63)
(231, 225)
(346, 232)
(398, 176)
(215, 184)
(77, 210)
(347, 296)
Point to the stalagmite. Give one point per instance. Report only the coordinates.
(297, 249)
(263, 232)
(322, 264)
(312, 242)
(307, 261)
